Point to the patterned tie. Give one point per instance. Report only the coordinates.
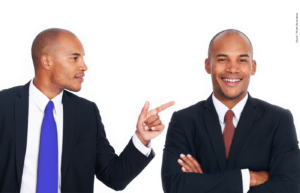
(47, 181)
(228, 131)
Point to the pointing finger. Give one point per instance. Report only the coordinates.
(160, 108)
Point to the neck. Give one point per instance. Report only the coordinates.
(229, 102)
(49, 89)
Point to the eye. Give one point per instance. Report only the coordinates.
(74, 58)
(222, 60)
(243, 60)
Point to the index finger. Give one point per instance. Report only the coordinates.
(161, 108)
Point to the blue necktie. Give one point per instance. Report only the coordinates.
(47, 180)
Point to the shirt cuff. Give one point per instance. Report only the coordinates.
(140, 146)
(246, 180)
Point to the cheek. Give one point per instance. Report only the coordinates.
(61, 73)
(246, 71)
(216, 70)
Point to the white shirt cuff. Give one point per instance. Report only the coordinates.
(140, 146)
(246, 180)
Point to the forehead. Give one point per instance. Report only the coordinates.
(230, 44)
(70, 43)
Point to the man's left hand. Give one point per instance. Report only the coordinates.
(189, 164)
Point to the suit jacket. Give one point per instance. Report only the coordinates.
(265, 140)
(85, 152)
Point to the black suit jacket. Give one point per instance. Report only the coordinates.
(265, 140)
(85, 152)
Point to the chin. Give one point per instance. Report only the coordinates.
(232, 94)
(77, 89)
(73, 88)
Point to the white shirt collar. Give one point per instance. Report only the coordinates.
(222, 109)
(41, 100)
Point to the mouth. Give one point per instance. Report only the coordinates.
(80, 78)
(231, 81)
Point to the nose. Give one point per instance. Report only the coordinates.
(232, 67)
(83, 66)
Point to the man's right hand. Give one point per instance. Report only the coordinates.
(257, 178)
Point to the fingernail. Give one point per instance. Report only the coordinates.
(179, 160)
(183, 168)
(182, 155)
(189, 155)
(146, 128)
(144, 124)
(152, 128)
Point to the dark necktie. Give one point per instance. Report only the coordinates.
(47, 180)
(228, 131)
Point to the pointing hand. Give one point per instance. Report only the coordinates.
(149, 125)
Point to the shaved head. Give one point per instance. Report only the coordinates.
(228, 32)
(45, 43)
(58, 58)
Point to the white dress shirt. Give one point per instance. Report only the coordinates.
(237, 110)
(37, 104)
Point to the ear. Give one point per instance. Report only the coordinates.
(45, 62)
(253, 67)
(207, 66)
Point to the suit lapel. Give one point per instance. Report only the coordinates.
(68, 134)
(246, 120)
(213, 127)
(21, 124)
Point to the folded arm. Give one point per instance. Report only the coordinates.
(284, 165)
(174, 180)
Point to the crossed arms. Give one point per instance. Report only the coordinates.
(284, 165)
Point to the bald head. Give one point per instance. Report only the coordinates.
(45, 43)
(58, 61)
(228, 32)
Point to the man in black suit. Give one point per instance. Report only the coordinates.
(231, 142)
(81, 147)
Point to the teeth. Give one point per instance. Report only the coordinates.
(232, 80)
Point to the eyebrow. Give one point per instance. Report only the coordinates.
(224, 55)
(221, 55)
(245, 55)
(76, 54)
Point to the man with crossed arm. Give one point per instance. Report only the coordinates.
(231, 142)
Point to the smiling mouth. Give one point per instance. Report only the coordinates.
(231, 81)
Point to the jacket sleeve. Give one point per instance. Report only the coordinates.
(176, 181)
(116, 171)
(284, 165)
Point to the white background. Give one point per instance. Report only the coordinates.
(155, 51)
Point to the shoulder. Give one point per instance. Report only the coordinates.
(192, 111)
(9, 94)
(274, 114)
(266, 107)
